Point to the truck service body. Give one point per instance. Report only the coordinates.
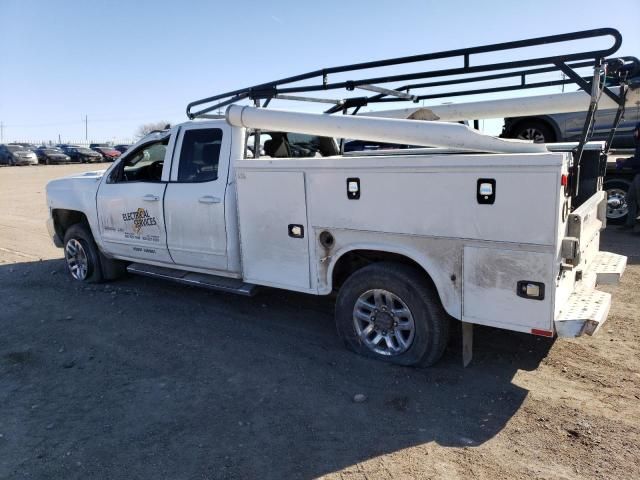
(509, 249)
(495, 261)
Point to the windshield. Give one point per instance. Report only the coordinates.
(16, 148)
(51, 150)
(84, 150)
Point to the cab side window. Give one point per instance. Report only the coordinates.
(142, 165)
(200, 155)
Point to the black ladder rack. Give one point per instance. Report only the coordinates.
(416, 89)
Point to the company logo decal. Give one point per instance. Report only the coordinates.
(140, 218)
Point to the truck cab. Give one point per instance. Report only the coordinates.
(164, 201)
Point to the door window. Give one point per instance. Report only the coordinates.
(142, 165)
(200, 155)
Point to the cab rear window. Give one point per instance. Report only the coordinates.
(200, 155)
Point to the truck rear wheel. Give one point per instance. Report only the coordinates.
(390, 312)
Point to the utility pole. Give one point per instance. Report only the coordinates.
(86, 128)
(1, 132)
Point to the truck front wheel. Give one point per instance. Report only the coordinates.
(390, 312)
(85, 262)
(82, 255)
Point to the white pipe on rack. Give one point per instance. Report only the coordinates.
(507, 107)
(408, 132)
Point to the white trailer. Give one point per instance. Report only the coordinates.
(509, 249)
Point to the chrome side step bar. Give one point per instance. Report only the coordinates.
(213, 282)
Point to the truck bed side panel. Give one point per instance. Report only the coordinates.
(442, 204)
(426, 209)
(491, 276)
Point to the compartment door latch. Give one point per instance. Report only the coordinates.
(486, 193)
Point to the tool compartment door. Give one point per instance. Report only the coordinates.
(490, 288)
(270, 204)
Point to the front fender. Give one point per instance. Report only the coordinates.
(76, 193)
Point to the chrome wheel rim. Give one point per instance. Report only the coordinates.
(532, 134)
(383, 322)
(616, 203)
(77, 260)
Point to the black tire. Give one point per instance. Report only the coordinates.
(536, 130)
(80, 233)
(47, 161)
(431, 332)
(100, 268)
(615, 187)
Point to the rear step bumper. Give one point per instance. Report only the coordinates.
(213, 282)
(584, 313)
(587, 309)
(608, 267)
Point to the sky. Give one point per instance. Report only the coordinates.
(125, 63)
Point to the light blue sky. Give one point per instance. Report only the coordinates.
(124, 63)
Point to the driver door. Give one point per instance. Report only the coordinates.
(130, 203)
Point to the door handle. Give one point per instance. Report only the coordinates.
(209, 199)
(150, 198)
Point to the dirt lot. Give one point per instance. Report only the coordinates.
(145, 379)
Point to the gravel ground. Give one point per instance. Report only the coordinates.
(145, 379)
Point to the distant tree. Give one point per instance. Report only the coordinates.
(150, 127)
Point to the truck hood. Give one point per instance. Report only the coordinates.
(94, 174)
(75, 192)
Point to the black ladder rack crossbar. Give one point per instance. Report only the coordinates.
(557, 63)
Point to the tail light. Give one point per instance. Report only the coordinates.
(564, 180)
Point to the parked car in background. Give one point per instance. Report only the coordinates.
(82, 154)
(28, 146)
(122, 148)
(50, 155)
(109, 154)
(567, 127)
(14, 154)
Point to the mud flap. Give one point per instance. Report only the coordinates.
(467, 343)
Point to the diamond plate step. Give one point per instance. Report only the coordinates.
(608, 267)
(584, 313)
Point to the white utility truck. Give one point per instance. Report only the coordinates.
(200, 203)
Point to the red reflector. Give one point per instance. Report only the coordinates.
(564, 180)
(542, 333)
